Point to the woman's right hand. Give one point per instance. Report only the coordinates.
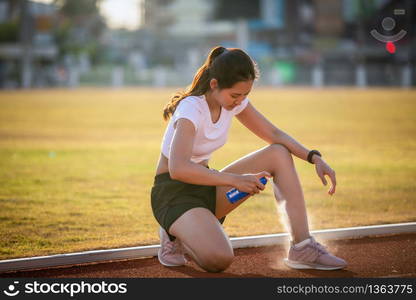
(250, 183)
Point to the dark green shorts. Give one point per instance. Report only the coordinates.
(171, 198)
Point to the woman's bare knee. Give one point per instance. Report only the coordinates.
(279, 149)
(217, 261)
(277, 153)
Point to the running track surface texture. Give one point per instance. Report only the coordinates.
(381, 256)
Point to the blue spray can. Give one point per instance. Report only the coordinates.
(234, 195)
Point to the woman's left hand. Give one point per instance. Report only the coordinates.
(322, 169)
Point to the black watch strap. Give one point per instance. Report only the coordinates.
(312, 152)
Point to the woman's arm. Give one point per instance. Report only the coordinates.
(180, 165)
(183, 169)
(264, 129)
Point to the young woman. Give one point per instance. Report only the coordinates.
(189, 199)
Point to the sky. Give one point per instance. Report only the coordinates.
(119, 13)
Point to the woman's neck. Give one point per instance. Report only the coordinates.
(212, 104)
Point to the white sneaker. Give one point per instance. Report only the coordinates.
(170, 254)
(313, 256)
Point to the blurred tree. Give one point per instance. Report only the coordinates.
(9, 32)
(80, 27)
(236, 9)
(74, 8)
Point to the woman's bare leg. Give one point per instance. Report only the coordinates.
(203, 236)
(204, 239)
(278, 161)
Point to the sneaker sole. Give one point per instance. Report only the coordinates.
(167, 264)
(303, 266)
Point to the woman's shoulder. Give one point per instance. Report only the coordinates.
(193, 101)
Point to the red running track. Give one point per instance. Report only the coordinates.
(383, 256)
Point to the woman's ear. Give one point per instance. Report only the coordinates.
(213, 84)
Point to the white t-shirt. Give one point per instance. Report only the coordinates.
(209, 136)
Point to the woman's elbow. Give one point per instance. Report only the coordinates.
(176, 170)
(174, 174)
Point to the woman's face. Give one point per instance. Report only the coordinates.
(233, 96)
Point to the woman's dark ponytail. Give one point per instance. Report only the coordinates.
(246, 70)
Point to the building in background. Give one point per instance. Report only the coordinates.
(48, 43)
(327, 42)
(27, 46)
(295, 42)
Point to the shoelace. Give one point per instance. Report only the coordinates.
(169, 247)
(174, 247)
(320, 248)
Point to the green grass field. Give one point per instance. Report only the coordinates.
(77, 166)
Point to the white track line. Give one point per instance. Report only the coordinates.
(39, 262)
(398, 275)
